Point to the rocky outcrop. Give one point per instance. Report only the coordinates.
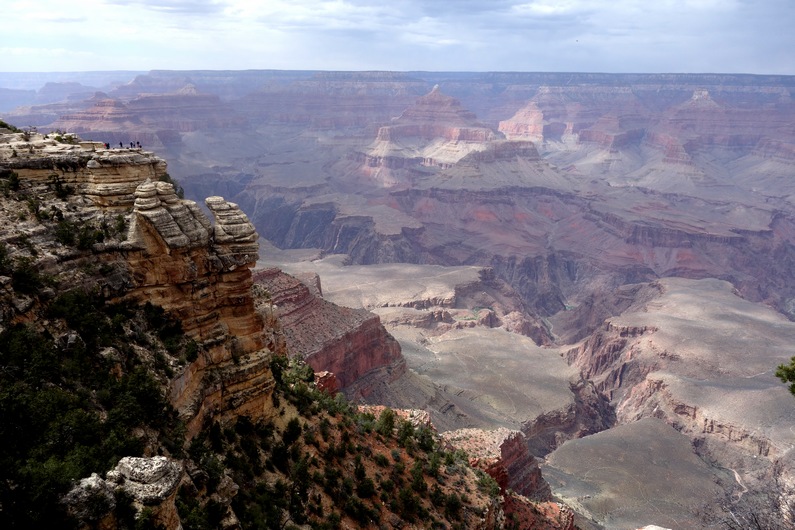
(504, 455)
(351, 343)
(537, 515)
(527, 123)
(171, 256)
(433, 116)
(654, 398)
(107, 177)
(590, 413)
(599, 357)
(417, 418)
(150, 483)
(436, 131)
(200, 274)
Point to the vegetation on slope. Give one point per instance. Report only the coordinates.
(321, 463)
(82, 384)
(76, 396)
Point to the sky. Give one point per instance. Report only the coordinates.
(722, 36)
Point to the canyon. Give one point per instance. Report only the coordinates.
(91, 232)
(601, 262)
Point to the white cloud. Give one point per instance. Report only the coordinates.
(618, 35)
(545, 7)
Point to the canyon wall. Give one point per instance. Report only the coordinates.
(350, 343)
(170, 255)
(200, 273)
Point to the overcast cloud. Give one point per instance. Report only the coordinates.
(466, 35)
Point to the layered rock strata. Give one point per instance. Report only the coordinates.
(150, 482)
(504, 455)
(171, 256)
(700, 358)
(200, 274)
(434, 132)
(107, 177)
(351, 343)
(157, 120)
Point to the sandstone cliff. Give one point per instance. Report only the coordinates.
(171, 256)
(351, 343)
(503, 454)
(201, 274)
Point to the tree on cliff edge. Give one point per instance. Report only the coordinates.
(786, 372)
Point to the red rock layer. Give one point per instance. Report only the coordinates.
(524, 513)
(351, 343)
(504, 455)
(436, 116)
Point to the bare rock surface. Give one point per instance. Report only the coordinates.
(151, 482)
(350, 343)
(643, 472)
(503, 454)
(711, 353)
(700, 359)
(469, 364)
(148, 480)
(433, 297)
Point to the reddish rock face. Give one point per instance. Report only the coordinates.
(152, 119)
(537, 515)
(504, 455)
(327, 382)
(350, 343)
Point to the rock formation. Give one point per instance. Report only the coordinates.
(434, 132)
(350, 343)
(696, 356)
(173, 257)
(201, 274)
(503, 454)
(150, 482)
(108, 177)
(601, 184)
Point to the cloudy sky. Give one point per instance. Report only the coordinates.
(737, 36)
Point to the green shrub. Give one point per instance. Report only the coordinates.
(291, 432)
(25, 277)
(10, 178)
(6, 125)
(452, 506)
(486, 484)
(178, 189)
(405, 433)
(5, 261)
(386, 423)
